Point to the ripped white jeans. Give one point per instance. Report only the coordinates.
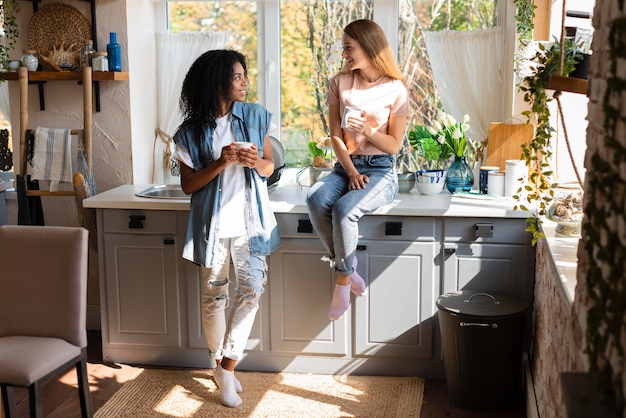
(227, 337)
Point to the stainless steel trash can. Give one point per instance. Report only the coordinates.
(481, 338)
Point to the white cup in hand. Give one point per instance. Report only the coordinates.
(240, 145)
(350, 112)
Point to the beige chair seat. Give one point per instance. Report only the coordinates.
(27, 359)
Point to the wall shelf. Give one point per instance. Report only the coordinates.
(570, 84)
(39, 76)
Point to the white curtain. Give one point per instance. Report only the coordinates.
(5, 107)
(175, 54)
(468, 73)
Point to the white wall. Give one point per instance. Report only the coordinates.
(123, 132)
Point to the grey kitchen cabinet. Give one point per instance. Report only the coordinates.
(393, 321)
(141, 306)
(488, 255)
(151, 306)
(301, 288)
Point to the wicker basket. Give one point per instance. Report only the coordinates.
(57, 31)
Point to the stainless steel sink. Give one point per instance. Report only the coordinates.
(166, 191)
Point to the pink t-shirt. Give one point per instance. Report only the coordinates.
(381, 100)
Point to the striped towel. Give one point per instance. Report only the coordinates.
(52, 157)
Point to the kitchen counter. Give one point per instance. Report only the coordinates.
(290, 199)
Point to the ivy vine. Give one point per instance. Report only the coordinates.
(538, 151)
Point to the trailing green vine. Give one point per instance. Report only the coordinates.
(8, 12)
(524, 26)
(538, 151)
(602, 236)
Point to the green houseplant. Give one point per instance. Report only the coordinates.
(8, 12)
(538, 152)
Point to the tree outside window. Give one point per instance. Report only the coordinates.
(309, 29)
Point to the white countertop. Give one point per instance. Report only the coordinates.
(290, 199)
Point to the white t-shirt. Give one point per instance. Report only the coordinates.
(232, 219)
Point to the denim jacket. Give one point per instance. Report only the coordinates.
(250, 123)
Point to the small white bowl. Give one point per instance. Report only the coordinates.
(430, 188)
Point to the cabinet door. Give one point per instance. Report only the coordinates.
(142, 297)
(500, 268)
(301, 288)
(395, 318)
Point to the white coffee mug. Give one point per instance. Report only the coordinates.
(349, 111)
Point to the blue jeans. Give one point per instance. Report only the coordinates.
(335, 211)
(227, 336)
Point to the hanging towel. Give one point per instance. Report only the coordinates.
(52, 156)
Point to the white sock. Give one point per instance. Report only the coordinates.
(238, 386)
(341, 301)
(226, 382)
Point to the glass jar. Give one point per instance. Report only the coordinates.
(100, 61)
(30, 60)
(86, 53)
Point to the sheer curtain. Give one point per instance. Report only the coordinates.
(5, 107)
(175, 54)
(468, 73)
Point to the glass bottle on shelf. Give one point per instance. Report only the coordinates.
(113, 50)
(30, 60)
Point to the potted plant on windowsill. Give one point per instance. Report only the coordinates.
(320, 161)
(444, 139)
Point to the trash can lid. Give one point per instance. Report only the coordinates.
(484, 304)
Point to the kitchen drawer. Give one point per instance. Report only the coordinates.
(139, 221)
(398, 228)
(485, 230)
(295, 225)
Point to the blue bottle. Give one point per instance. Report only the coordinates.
(113, 52)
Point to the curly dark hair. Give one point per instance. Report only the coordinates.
(207, 84)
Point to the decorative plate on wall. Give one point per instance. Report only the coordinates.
(57, 31)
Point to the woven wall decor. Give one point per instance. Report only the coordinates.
(57, 31)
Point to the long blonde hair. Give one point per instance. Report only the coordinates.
(372, 39)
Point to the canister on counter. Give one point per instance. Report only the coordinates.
(484, 177)
(496, 183)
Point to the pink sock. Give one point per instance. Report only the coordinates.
(341, 301)
(357, 284)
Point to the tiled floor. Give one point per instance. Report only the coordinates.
(61, 397)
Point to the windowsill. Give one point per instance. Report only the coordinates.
(564, 253)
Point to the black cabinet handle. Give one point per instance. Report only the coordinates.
(305, 226)
(393, 228)
(136, 221)
(168, 241)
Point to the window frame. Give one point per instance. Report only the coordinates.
(386, 14)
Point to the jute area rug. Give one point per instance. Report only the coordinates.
(167, 393)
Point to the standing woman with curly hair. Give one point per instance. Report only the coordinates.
(367, 111)
(230, 215)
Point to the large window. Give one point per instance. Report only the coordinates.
(288, 44)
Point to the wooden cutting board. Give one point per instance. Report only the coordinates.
(505, 142)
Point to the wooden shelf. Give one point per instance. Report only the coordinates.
(37, 76)
(570, 84)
